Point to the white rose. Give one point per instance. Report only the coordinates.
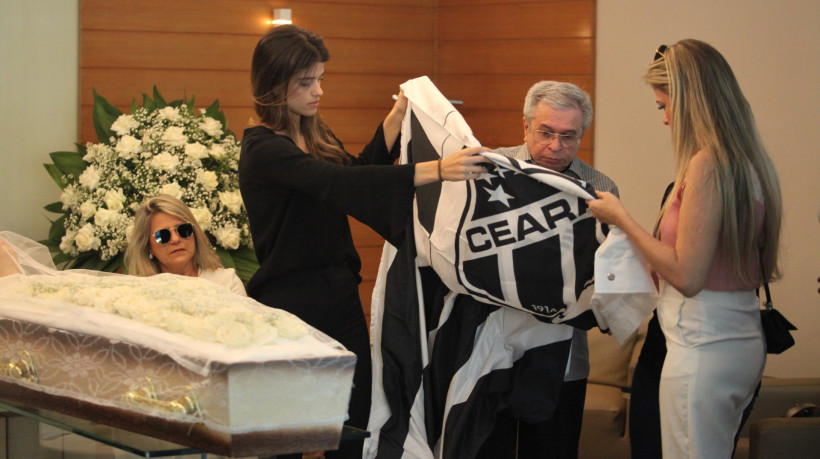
(207, 179)
(169, 113)
(233, 334)
(217, 151)
(124, 124)
(171, 189)
(175, 136)
(92, 151)
(128, 146)
(86, 240)
(114, 199)
(203, 216)
(211, 126)
(164, 161)
(196, 150)
(290, 327)
(90, 178)
(87, 210)
(227, 237)
(67, 244)
(106, 217)
(232, 200)
(68, 197)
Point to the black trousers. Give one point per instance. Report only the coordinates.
(341, 317)
(556, 437)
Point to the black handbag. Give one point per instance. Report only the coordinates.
(776, 329)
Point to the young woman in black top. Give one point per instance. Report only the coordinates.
(299, 186)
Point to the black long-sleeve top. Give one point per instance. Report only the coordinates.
(298, 206)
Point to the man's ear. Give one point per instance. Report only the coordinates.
(526, 126)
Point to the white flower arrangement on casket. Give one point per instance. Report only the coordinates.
(160, 148)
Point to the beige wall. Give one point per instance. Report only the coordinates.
(38, 106)
(772, 49)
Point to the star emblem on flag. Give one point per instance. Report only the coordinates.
(498, 194)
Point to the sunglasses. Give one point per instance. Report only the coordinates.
(660, 52)
(183, 230)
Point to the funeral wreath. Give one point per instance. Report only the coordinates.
(159, 148)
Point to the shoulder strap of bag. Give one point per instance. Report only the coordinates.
(768, 305)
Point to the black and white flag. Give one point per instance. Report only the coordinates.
(469, 316)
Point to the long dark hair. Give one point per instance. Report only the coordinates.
(280, 54)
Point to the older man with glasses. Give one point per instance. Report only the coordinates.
(556, 117)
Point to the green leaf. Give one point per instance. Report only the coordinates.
(214, 112)
(57, 230)
(56, 174)
(160, 101)
(81, 261)
(60, 258)
(104, 116)
(113, 264)
(52, 245)
(191, 106)
(245, 263)
(148, 104)
(92, 261)
(69, 162)
(55, 207)
(224, 257)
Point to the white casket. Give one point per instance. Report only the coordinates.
(175, 358)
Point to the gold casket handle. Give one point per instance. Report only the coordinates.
(146, 397)
(22, 369)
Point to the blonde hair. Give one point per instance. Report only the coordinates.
(137, 259)
(708, 112)
(280, 54)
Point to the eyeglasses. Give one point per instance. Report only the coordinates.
(660, 52)
(183, 230)
(566, 140)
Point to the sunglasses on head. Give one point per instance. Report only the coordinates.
(183, 230)
(660, 52)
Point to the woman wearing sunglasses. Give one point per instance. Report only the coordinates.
(167, 239)
(715, 242)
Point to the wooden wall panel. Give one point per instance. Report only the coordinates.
(557, 56)
(353, 18)
(367, 21)
(166, 50)
(534, 4)
(205, 17)
(490, 52)
(500, 21)
(203, 48)
(231, 88)
(501, 92)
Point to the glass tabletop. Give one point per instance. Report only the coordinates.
(131, 442)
